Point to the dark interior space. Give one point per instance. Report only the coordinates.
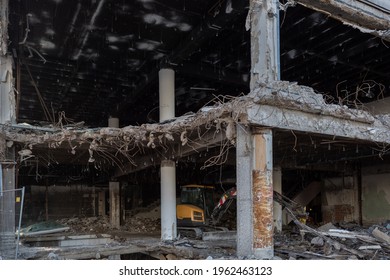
(95, 59)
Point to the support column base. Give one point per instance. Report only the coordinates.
(264, 253)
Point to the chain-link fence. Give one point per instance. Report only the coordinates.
(11, 211)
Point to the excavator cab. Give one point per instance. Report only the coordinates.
(196, 205)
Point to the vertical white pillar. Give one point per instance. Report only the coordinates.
(168, 167)
(168, 200)
(114, 191)
(167, 94)
(278, 219)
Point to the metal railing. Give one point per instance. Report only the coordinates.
(11, 212)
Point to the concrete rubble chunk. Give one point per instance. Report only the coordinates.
(381, 236)
(326, 227)
(318, 241)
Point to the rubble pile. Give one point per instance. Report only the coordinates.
(141, 220)
(87, 224)
(145, 220)
(346, 241)
(144, 225)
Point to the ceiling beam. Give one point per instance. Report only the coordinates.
(370, 16)
(208, 140)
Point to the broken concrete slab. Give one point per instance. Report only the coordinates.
(219, 235)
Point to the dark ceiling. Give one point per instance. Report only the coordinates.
(98, 58)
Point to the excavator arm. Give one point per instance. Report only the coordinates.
(223, 205)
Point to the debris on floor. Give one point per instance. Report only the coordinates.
(141, 220)
(331, 242)
(43, 229)
(138, 237)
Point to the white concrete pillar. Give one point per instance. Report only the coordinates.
(168, 167)
(167, 94)
(277, 182)
(168, 200)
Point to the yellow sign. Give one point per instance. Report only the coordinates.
(18, 199)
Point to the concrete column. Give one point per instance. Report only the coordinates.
(254, 193)
(277, 182)
(168, 200)
(102, 203)
(167, 94)
(114, 191)
(7, 96)
(7, 200)
(265, 49)
(262, 193)
(244, 192)
(168, 167)
(7, 153)
(113, 122)
(115, 210)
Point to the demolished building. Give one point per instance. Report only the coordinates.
(286, 96)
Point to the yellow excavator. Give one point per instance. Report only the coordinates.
(197, 207)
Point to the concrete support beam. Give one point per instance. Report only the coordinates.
(277, 182)
(244, 192)
(168, 167)
(209, 140)
(115, 209)
(283, 118)
(263, 21)
(371, 16)
(262, 193)
(254, 193)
